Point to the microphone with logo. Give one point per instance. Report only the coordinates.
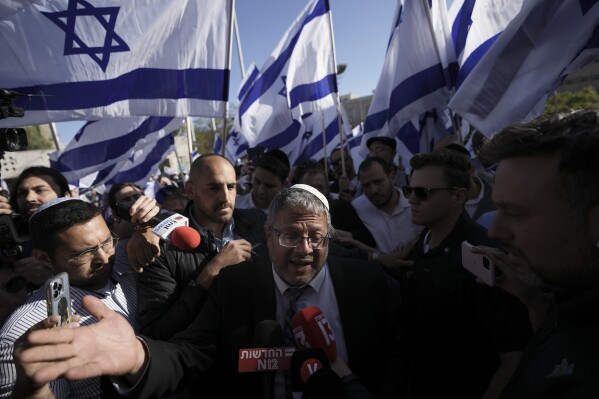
(310, 369)
(171, 227)
(268, 355)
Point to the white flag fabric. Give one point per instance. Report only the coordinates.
(116, 150)
(417, 76)
(108, 58)
(297, 80)
(545, 41)
(475, 25)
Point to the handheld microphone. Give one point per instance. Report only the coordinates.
(311, 329)
(169, 226)
(304, 364)
(268, 333)
(269, 352)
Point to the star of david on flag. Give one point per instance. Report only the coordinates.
(74, 44)
(98, 59)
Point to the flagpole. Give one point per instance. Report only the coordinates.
(229, 48)
(189, 125)
(456, 125)
(54, 135)
(324, 146)
(341, 140)
(237, 39)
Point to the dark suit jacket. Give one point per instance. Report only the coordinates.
(167, 303)
(244, 295)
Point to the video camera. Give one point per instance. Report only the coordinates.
(13, 228)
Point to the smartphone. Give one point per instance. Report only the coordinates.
(478, 264)
(58, 298)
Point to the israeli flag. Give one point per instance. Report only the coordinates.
(79, 59)
(475, 25)
(418, 75)
(116, 150)
(544, 42)
(297, 81)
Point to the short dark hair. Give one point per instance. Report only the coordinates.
(572, 136)
(275, 165)
(36, 171)
(306, 166)
(456, 167)
(44, 225)
(368, 162)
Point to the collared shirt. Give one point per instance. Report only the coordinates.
(388, 230)
(119, 294)
(321, 295)
(228, 232)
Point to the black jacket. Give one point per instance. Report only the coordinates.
(242, 296)
(167, 302)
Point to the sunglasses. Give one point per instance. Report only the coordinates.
(14, 284)
(422, 193)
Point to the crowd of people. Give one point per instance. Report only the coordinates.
(379, 251)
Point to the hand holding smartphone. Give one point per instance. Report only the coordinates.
(58, 298)
(479, 265)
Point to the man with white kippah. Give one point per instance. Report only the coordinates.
(358, 299)
(68, 235)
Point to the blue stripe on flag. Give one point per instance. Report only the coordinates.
(140, 171)
(376, 121)
(248, 83)
(271, 75)
(415, 87)
(474, 58)
(313, 91)
(143, 83)
(101, 152)
(331, 132)
(461, 26)
(410, 136)
(282, 139)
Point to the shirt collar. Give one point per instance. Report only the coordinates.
(316, 282)
(228, 231)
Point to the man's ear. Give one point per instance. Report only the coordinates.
(42, 257)
(188, 187)
(461, 195)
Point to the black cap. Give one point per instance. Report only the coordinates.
(383, 139)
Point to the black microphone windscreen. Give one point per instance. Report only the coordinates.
(268, 334)
(304, 363)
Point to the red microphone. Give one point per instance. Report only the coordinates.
(311, 329)
(185, 238)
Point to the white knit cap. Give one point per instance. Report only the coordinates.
(53, 202)
(314, 191)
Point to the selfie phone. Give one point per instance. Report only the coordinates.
(58, 298)
(478, 264)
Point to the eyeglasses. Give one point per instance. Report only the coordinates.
(292, 241)
(15, 284)
(422, 193)
(89, 255)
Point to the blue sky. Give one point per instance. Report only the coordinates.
(361, 30)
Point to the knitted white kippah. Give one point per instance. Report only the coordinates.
(314, 191)
(52, 203)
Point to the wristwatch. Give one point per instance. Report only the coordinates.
(374, 255)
